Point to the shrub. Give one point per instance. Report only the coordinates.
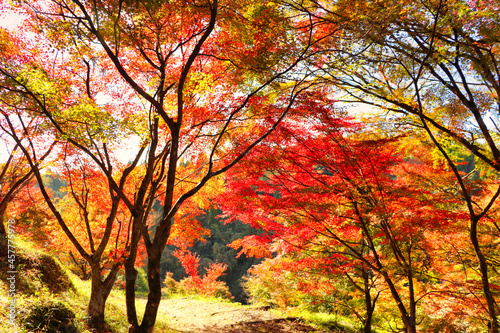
(194, 284)
(170, 285)
(50, 317)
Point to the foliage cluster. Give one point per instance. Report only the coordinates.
(204, 286)
(353, 228)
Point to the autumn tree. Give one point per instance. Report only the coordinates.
(201, 83)
(431, 64)
(341, 206)
(31, 103)
(183, 236)
(88, 231)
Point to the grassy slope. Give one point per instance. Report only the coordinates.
(39, 281)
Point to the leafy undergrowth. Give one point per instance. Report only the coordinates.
(36, 272)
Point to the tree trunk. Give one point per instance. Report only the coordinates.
(367, 325)
(369, 303)
(130, 278)
(154, 295)
(483, 267)
(411, 291)
(408, 321)
(96, 309)
(98, 296)
(3, 235)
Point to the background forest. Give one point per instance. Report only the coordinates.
(334, 157)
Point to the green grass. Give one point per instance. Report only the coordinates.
(34, 289)
(116, 315)
(326, 321)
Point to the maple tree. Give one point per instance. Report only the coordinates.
(97, 227)
(200, 83)
(89, 231)
(343, 206)
(23, 84)
(433, 65)
(184, 234)
(206, 285)
(210, 246)
(30, 121)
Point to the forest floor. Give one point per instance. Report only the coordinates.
(42, 281)
(192, 315)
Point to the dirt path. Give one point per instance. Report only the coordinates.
(193, 316)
